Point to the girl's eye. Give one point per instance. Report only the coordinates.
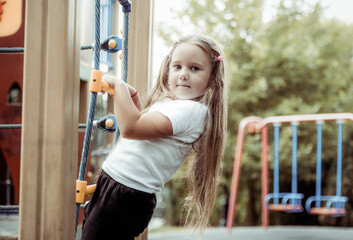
(176, 67)
(194, 68)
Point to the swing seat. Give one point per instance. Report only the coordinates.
(291, 202)
(328, 211)
(285, 207)
(335, 206)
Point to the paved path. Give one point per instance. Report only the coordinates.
(9, 230)
(8, 226)
(258, 233)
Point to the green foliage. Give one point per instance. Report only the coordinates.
(298, 63)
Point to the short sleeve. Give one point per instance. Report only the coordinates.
(186, 116)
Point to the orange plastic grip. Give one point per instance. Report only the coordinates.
(109, 123)
(83, 190)
(96, 83)
(90, 189)
(112, 43)
(80, 191)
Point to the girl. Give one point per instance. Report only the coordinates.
(185, 116)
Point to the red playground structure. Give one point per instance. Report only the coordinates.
(333, 205)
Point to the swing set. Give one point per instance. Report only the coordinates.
(290, 202)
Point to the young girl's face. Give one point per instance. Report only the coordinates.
(189, 71)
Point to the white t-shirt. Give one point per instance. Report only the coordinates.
(146, 165)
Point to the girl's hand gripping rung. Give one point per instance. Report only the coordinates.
(97, 84)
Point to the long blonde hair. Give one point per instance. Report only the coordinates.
(204, 160)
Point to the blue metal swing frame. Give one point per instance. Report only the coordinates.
(291, 201)
(335, 205)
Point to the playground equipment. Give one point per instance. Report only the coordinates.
(140, 45)
(96, 86)
(50, 114)
(291, 202)
(294, 197)
(107, 123)
(334, 204)
(111, 44)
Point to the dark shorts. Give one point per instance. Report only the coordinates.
(116, 211)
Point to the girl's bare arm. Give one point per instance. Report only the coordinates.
(131, 122)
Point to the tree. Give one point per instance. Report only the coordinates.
(298, 63)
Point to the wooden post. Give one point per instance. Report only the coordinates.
(140, 53)
(49, 120)
(140, 45)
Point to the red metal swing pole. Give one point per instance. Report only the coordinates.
(264, 175)
(252, 124)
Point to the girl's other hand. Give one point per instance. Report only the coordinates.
(111, 80)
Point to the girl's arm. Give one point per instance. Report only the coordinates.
(133, 92)
(135, 97)
(131, 122)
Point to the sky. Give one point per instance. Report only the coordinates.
(340, 9)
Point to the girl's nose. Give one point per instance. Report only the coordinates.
(184, 75)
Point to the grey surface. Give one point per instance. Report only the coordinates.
(258, 233)
(9, 226)
(9, 229)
